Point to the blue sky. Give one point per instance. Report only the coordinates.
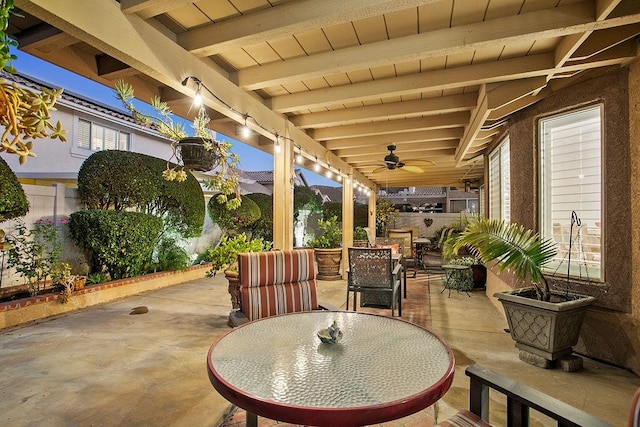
(251, 159)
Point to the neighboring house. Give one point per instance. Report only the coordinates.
(328, 193)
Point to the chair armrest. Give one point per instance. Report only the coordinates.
(521, 398)
(397, 269)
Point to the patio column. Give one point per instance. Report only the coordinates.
(283, 177)
(371, 212)
(347, 222)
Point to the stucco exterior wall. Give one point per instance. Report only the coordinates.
(611, 331)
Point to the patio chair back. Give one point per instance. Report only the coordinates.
(372, 270)
(277, 282)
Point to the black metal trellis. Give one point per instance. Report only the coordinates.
(564, 284)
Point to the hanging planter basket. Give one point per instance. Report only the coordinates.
(195, 156)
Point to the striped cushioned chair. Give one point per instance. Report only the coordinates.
(277, 282)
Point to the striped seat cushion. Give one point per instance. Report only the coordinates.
(464, 418)
(277, 282)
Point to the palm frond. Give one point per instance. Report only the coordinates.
(515, 248)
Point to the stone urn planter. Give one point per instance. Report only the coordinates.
(548, 329)
(234, 287)
(328, 261)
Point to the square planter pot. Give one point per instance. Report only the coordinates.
(546, 329)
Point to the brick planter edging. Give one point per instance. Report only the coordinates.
(17, 312)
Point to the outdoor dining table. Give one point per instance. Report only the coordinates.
(382, 369)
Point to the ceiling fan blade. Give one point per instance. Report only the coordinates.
(419, 163)
(380, 169)
(412, 169)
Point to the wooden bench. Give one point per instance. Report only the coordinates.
(520, 399)
(276, 282)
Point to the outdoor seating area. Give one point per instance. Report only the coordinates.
(292, 213)
(151, 375)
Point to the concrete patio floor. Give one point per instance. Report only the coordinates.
(101, 366)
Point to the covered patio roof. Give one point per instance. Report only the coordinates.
(342, 80)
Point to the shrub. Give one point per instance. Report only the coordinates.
(171, 256)
(304, 198)
(13, 202)
(331, 209)
(138, 184)
(263, 227)
(245, 215)
(120, 241)
(226, 253)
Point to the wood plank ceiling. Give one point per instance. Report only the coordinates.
(345, 79)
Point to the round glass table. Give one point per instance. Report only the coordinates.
(382, 369)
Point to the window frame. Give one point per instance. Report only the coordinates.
(505, 205)
(84, 152)
(578, 271)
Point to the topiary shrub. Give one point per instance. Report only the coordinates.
(138, 184)
(120, 241)
(263, 227)
(13, 202)
(245, 215)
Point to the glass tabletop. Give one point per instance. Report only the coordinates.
(380, 361)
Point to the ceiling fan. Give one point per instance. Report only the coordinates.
(392, 162)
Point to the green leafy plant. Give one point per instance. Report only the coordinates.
(386, 213)
(97, 278)
(34, 252)
(512, 247)
(225, 254)
(359, 233)
(24, 114)
(170, 255)
(224, 178)
(331, 236)
(119, 241)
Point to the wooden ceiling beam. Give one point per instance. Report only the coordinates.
(551, 22)
(374, 150)
(396, 138)
(146, 9)
(282, 21)
(437, 80)
(389, 111)
(443, 121)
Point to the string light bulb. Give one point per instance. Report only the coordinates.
(246, 132)
(277, 146)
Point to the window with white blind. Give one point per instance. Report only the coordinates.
(571, 180)
(500, 183)
(96, 137)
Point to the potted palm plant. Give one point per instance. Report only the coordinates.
(545, 324)
(327, 249)
(200, 152)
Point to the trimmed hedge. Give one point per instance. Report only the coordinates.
(120, 180)
(120, 241)
(245, 215)
(13, 202)
(262, 228)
